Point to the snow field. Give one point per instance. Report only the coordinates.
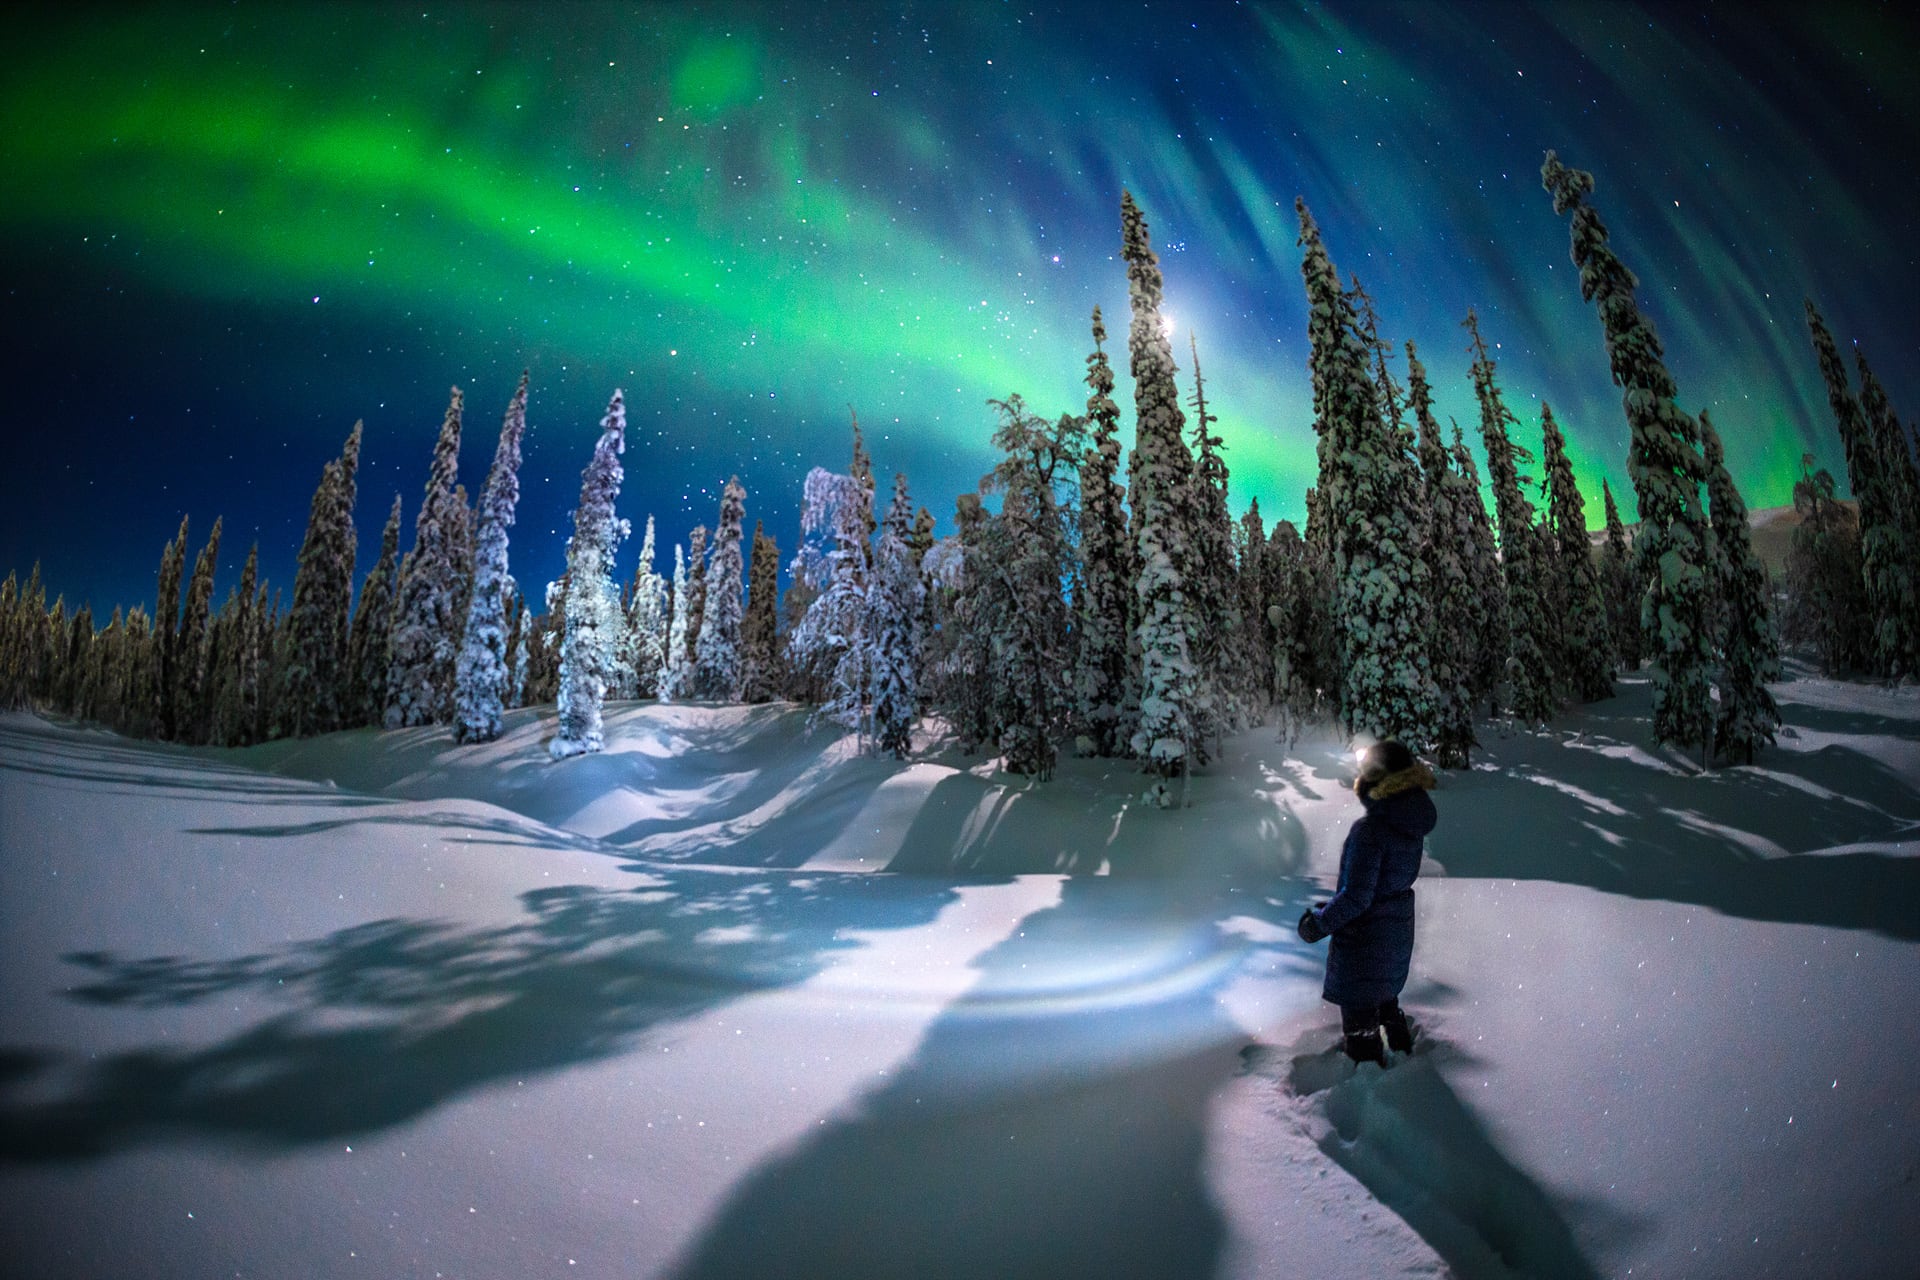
(380, 1005)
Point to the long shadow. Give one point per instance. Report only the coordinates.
(1052, 1124)
(1791, 841)
(1001, 825)
(1409, 1139)
(114, 766)
(387, 1020)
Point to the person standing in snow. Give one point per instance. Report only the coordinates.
(1370, 917)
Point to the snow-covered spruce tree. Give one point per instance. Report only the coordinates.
(193, 698)
(642, 652)
(832, 562)
(696, 598)
(1255, 584)
(426, 623)
(1529, 669)
(1896, 461)
(1749, 648)
(958, 643)
(894, 607)
(372, 630)
(1489, 662)
(1176, 702)
(1889, 525)
(1664, 463)
(759, 639)
(166, 632)
(1393, 404)
(236, 682)
(676, 672)
(1024, 553)
(1220, 649)
(313, 681)
(1377, 520)
(1457, 601)
(1889, 583)
(1299, 614)
(1826, 599)
(1586, 658)
(592, 602)
(517, 633)
(480, 672)
(719, 673)
(1101, 673)
(1620, 587)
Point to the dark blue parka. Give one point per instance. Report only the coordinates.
(1370, 916)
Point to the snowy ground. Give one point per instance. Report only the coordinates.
(730, 1001)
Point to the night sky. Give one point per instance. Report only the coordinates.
(227, 233)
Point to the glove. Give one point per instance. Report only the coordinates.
(1310, 928)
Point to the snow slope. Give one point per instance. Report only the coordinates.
(733, 1000)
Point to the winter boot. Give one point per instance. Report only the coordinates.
(1365, 1046)
(1393, 1020)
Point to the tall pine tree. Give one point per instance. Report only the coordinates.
(759, 641)
(718, 670)
(1175, 701)
(313, 680)
(1377, 523)
(1749, 648)
(480, 672)
(372, 630)
(427, 619)
(1664, 462)
(1620, 587)
(1101, 672)
(893, 611)
(1457, 600)
(591, 601)
(1531, 628)
(1586, 658)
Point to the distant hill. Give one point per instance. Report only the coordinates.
(1772, 535)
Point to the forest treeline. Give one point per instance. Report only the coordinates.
(1088, 596)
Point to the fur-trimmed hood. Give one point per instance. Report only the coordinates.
(1414, 775)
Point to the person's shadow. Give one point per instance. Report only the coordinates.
(1053, 1123)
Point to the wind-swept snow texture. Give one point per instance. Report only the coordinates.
(727, 999)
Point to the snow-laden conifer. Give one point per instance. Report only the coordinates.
(1749, 647)
(1457, 600)
(1664, 463)
(427, 623)
(698, 554)
(642, 652)
(1372, 496)
(832, 562)
(719, 673)
(236, 680)
(313, 679)
(759, 639)
(1101, 674)
(1216, 599)
(165, 685)
(1531, 628)
(1901, 479)
(1175, 697)
(676, 674)
(1585, 659)
(372, 631)
(892, 628)
(192, 696)
(591, 601)
(1826, 598)
(1489, 662)
(1620, 588)
(480, 672)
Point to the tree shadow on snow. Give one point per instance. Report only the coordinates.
(1802, 837)
(1052, 1123)
(390, 1019)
